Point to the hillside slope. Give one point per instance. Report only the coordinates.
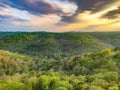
(51, 44)
(112, 38)
(59, 61)
(92, 71)
(12, 63)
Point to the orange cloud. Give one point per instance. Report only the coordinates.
(90, 20)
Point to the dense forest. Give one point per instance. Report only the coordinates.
(59, 61)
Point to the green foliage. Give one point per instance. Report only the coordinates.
(30, 83)
(95, 88)
(52, 45)
(12, 63)
(12, 85)
(55, 64)
(97, 70)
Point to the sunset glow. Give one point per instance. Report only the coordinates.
(59, 15)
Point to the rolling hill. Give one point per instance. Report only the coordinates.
(97, 70)
(59, 61)
(57, 45)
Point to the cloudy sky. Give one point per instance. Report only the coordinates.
(59, 15)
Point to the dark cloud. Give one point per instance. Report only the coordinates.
(34, 6)
(42, 7)
(92, 5)
(112, 14)
(88, 5)
(39, 6)
(69, 19)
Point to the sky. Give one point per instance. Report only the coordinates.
(60, 15)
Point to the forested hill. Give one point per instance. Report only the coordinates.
(57, 45)
(99, 70)
(59, 61)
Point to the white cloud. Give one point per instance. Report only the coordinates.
(38, 21)
(69, 8)
(44, 21)
(10, 11)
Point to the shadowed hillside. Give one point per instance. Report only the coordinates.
(51, 44)
(112, 38)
